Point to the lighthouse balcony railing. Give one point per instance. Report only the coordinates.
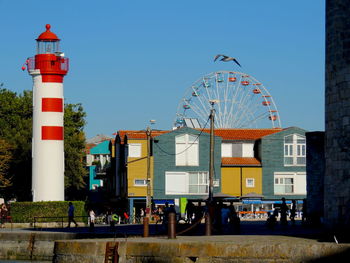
(54, 64)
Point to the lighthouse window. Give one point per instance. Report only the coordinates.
(47, 47)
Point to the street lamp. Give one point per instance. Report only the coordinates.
(208, 218)
(211, 154)
(148, 180)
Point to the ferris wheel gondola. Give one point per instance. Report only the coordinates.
(242, 102)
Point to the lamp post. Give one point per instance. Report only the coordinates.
(148, 177)
(208, 219)
(148, 180)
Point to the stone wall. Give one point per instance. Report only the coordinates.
(337, 148)
(315, 168)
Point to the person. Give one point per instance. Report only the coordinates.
(92, 219)
(159, 214)
(166, 212)
(234, 219)
(3, 214)
(142, 212)
(304, 211)
(126, 218)
(71, 215)
(225, 214)
(284, 211)
(108, 216)
(217, 217)
(293, 212)
(271, 220)
(189, 210)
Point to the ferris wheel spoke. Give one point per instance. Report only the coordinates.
(225, 97)
(238, 104)
(200, 112)
(219, 80)
(235, 94)
(200, 98)
(256, 119)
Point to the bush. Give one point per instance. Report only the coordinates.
(24, 212)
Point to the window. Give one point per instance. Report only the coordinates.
(237, 150)
(294, 150)
(226, 149)
(250, 182)
(140, 182)
(134, 149)
(284, 185)
(290, 183)
(186, 150)
(180, 183)
(198, 183)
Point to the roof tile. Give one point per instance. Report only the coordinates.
(238, 161)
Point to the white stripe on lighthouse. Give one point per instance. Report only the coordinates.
(48, 151)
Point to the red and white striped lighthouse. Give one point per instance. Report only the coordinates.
(48, 68)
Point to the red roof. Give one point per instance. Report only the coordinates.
(139, 134)
(88, 147)
(243, 134)
(48, 35)
(225, 134)
(238, 161)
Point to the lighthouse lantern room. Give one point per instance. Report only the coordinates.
(48, 68)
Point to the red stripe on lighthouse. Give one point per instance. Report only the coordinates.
(52, 104)
(52, 78)
(52, 133)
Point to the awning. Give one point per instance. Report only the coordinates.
(162, 202)
(252, 195)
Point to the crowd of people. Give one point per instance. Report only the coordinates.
(224, 216)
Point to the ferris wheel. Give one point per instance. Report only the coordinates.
(241, 101)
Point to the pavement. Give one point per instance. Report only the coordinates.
(255, 227)
(253, 242)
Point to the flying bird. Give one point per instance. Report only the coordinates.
(226, 59)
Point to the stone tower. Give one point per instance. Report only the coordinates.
(337, 143)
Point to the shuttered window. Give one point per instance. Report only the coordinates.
(187, 150)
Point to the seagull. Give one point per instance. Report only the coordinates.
(226, 58)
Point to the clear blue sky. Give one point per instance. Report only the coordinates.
(132, 61)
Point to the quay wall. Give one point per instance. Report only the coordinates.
(69, 247)
(30, 245)
(215, 249)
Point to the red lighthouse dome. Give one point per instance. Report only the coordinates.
(51, 62)
(48, 35)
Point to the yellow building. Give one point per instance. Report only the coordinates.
(241, 170)
(132, 175)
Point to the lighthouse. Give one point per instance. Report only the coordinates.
(48, 68)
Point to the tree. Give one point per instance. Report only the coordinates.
(5, 159)
(74, 146)
(16, 129)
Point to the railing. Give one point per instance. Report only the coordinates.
(252, 215)
(52, 63)
(55, 219)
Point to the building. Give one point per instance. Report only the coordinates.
(337, 98)
(98, 159)
(181, 166)
(128, 176)
(283, 158)
(254, 167)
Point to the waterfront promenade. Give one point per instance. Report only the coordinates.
(254, 243)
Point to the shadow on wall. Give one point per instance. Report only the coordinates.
(340, 257)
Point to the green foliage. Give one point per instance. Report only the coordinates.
(16, 129)
(74, 148)
(24, 212)
(5, 159)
